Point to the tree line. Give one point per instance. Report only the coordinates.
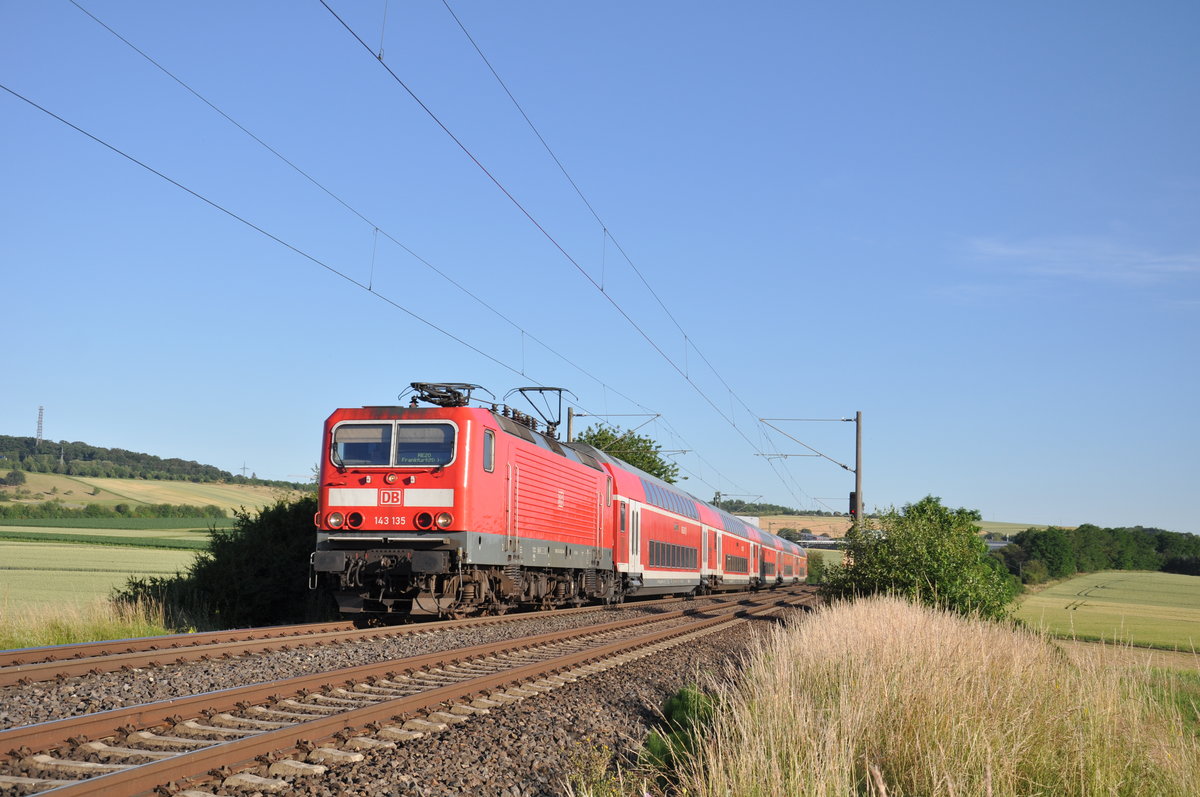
(88, 461)
(736, 506)
(1037, 555)
(57, 509)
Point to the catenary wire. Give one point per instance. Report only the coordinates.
(445, 276)
(295, 249)
(616, 305)
(376, 229)
(688, 343)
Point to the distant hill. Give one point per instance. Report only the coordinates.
(132, 497)
(81, 459)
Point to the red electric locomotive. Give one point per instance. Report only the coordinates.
(450, 509)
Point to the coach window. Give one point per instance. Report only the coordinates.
(489, 450)
(622, 513)
(362, 444)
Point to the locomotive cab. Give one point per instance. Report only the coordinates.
(451, 510)
(393, 507)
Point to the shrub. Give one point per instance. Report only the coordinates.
(686, 715)
(925, 552)
(816, 567)
(255, 573)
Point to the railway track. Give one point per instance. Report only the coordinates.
(287, 725)
(29, 665)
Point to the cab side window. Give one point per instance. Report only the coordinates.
(489, 450)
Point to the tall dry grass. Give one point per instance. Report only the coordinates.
(63, 624)
(881, 697)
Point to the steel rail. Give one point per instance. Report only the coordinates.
(81, 650)
(231, 754)
(243, 641)
(57, 732)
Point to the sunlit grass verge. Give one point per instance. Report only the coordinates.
(63, 624)
(881, 697)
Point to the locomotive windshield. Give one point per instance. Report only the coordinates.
(427, 444)
(370, 445)
(363, 444)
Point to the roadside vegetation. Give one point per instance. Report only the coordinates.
(884, 696)
(927, 553)
(252, 574)
(66, 623)
(913, 681)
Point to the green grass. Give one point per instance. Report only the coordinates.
(152, 536)
(1181, 690)
(176, 543)
(35, 573)
(1141, 608)
(53, 624)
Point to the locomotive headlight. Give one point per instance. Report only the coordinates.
(336, 519)
(390, 478)
(444, 519)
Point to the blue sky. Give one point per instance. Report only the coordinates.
(978, 225)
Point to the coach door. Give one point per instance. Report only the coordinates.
(635, 539)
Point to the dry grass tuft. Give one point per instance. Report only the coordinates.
(882, 697)
(63, 624)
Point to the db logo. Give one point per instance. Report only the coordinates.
(391, 497)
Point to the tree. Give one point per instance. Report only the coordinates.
(928, 553)
(816, 567)
(15, 478)
(1052, 548)
(637, 450)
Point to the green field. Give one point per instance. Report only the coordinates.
(1002, 527)
(184, 538)
(36, 573)
(1141, 608)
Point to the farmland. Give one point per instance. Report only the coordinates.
(817, 524)
(41, 572)
(190, 538)
(77, 491)
(1141, 608)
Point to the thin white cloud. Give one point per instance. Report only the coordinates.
(1092, 259)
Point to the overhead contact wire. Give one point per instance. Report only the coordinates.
(378, 230)
(258, 229)
(399, 81)
(608, 236)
